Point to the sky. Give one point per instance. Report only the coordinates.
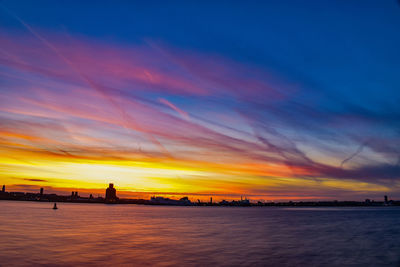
(271, 100)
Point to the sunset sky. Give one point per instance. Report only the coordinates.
(272, 100)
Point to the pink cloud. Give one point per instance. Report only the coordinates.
(184, 114)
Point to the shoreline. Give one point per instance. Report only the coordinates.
(63, 199)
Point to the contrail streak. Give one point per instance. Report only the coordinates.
(182, 113)
(358, 151)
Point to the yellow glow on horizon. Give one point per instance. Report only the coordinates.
(57, 170)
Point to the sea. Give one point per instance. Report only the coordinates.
(33, 234)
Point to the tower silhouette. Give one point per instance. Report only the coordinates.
(111, 194)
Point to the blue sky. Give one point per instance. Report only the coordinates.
(313, 85)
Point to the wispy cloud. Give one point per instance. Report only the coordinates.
(74, 100)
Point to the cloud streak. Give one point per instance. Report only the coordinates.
(74, 100)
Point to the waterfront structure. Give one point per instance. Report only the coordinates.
(74, 195)
(111, 194)
(184, 201)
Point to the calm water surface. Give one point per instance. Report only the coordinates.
(32, 234)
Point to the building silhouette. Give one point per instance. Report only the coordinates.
(74, 195)
(184, 201)
(41, 191)
(386, 199)
(4, 188)
(111, 194)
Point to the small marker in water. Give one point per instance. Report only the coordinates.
(55, 206)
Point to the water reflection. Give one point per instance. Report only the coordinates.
(95, 234)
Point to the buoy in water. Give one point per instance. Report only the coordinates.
(55, 206)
